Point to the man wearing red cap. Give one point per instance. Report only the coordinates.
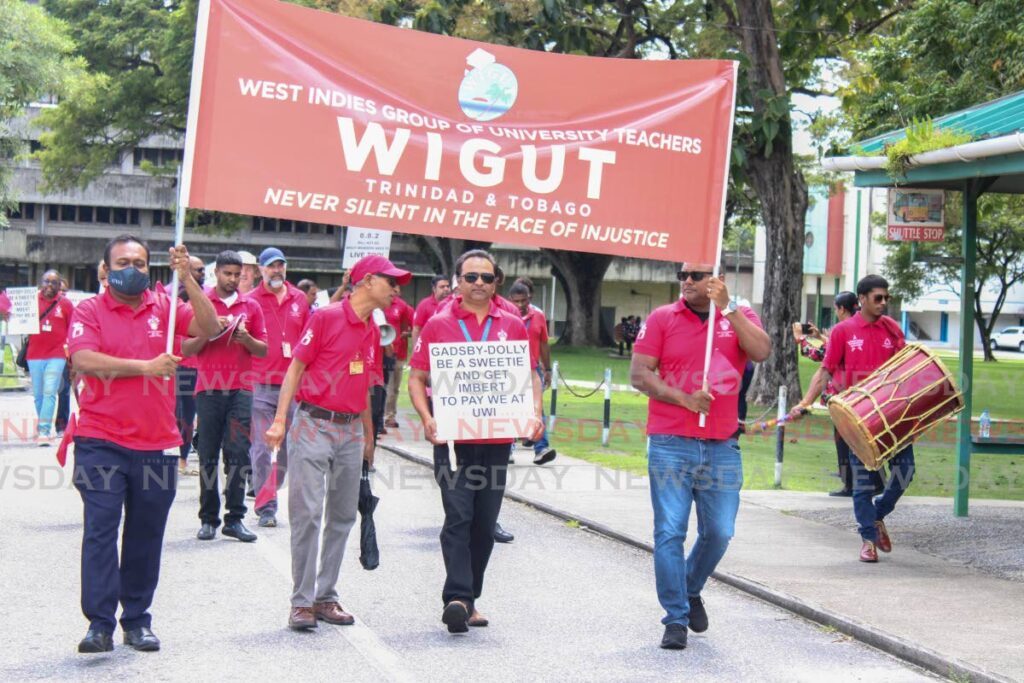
(472, 495)
(331, 436)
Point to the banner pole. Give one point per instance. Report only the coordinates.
(705, 385)
(185, 169)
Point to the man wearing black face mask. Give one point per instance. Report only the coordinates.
(185, 406)
(126, 420)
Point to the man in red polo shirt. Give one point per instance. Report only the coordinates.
(285, 313)
(125, 422)
(472, 495)
(691, 465)
(440, 289)
(46, 356)
(856, 348)
(224, 400)
(400, 316)
(332, 435)
(537, 329)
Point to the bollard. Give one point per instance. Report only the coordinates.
(607, 406)
(780, 437)
(554, 396)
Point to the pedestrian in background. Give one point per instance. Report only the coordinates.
(46, 353)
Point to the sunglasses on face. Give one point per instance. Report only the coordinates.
(881, 298)
(392, 282)
(694, 275)
(55, 283)
(488, 278)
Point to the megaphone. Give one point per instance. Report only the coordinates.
(387, 332)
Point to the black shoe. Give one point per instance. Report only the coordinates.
(268, 519)
(249, 493)
(545, 456)
(502, 536)
(142, 639)
(96, 641)
(698, 615)
(206, 532)
(844, 493)
(238, 530)
(527, 443)
(455, 617)
(674, 638)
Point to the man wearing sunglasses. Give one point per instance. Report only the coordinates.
(856, 348)
(331, 436)
(472, 493)
(691, 465)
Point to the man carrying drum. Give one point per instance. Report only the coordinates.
(857, 347)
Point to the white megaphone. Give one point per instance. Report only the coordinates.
(387, 332)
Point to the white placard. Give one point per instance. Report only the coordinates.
(24, 310)
(322, 299)
(360, 242)
(482, 390)
(76, 297)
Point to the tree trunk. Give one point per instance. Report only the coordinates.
(985, 327)
(445, 251)
(580, 275)
(782, 192)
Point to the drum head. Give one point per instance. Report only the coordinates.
(854, 433)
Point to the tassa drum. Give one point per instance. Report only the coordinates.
(901, 400)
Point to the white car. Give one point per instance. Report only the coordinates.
(1008, 338)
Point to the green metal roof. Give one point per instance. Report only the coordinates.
(988, 120)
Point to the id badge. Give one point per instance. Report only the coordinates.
(355, 367)
(46, 327)
(286, 350)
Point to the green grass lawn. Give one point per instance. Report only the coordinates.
(809, 457)
(8, 373)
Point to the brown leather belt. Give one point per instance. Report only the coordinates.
(329, 415)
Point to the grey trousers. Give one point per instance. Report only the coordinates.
(264, 407)
(394, 386)
(323, 485)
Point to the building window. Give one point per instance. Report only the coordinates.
(102, 214)
(85, 214)
(158, 156)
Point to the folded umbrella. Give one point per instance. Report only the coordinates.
(66, 440)
(369, 553)
(268, 491)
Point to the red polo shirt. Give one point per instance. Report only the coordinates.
(53, 329)
(224, 364)
(425, 310)
(444, 328)
(133, 412)
(284, 323)
(400, 314)
(856, 348)
(537, 331)
(340, 352)
(676, 336)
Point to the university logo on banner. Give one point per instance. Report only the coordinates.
(313, 116)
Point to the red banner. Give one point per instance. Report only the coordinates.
(313, 116)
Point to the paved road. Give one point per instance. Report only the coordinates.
(563, 603)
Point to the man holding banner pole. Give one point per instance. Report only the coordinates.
(693, 452)
(470, 472)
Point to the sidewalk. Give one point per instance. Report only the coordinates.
(943, 616)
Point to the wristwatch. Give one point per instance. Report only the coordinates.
(730, 309)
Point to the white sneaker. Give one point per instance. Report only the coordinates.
(44, 441)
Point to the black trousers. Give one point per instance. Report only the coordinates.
(225, 417)
(185, 408)
(472, 497)
(111, 478)
(378, 397)
(64, 400)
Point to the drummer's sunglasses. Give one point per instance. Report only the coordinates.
(694, 275)
(881, 298)
(488, 278)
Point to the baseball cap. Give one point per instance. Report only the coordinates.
(378, 265)
(247, 258)
(271, 254)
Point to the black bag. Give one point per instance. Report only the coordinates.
(22, 360)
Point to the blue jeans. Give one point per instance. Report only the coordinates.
(868, 509)
(685, 472)
(540, 444)
(46, 377)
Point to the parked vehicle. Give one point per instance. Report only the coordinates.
(1008, 338)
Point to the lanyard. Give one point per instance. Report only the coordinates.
(483, 337)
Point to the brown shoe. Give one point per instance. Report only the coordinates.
(884, 542)
(332, 613)
(301, 619)
(477, 619)
(868, 552)
(391, 424)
